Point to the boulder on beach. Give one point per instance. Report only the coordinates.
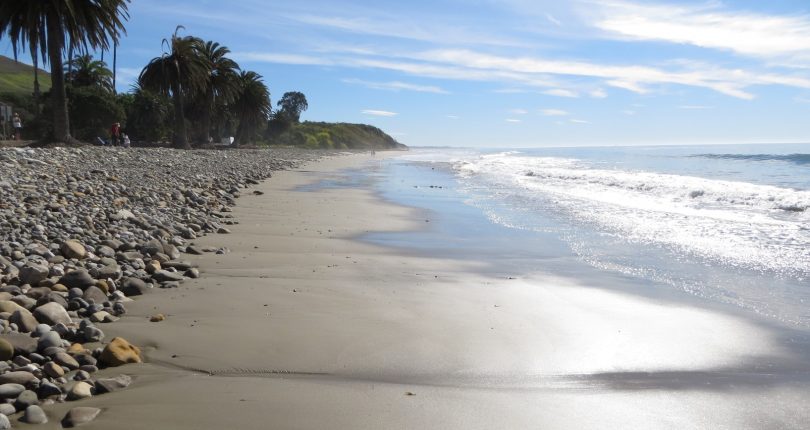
(77, 279)
(119, 352)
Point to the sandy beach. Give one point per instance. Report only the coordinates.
(303, 326)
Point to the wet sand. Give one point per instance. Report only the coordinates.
(303, 327)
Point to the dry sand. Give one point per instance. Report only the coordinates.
(303, 327)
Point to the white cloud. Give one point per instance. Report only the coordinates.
(280, 58)
(598, 93)
(518, 111)
(553, 20)
(453, 116)
(579, 121)
(513, 120)
(553, 112)
(558, 92)
(695, 107)
(629, 112)
(383, 113)
(707, 25)
(397, 86)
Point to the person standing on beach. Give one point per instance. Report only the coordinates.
(17, 123)
(115, 131)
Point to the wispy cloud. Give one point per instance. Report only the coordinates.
(397, 86)
(553, 112)
(513, 120)
(695, 107)
(559, 92)
(579, 121)
(550, 18)
(452, 117)
(280, 58)
(518, 111)
(598, 93)
(708, 25)
(383, 113)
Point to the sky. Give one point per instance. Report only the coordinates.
(514, 73)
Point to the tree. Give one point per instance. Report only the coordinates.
(51, 28)
(149, 115)
(251, 107)
(181, 72)
(222, 82)
(292, 104)
(83, 71)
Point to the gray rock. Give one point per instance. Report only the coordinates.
(109, 385)
(40, 329)
(166, 276)
(26, 399)
(7, 409)
(33, 273)
(52, 313)
(34, 415)
(92, 334)
(18, 377)
(134, 287)
(4, 422)
(49, 339)
(77, 279)
(192, 273)
(95, 294)
(26, 322)
(48, 389)
(80, 415)
(11, 391)
(65, 360)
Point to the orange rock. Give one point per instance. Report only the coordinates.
(119, 352)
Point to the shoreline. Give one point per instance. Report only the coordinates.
(343, 341)
(305, 325)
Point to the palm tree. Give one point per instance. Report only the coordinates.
(252, 105)
(83, 71)
(179, 73)
(54, 26)
(222, 81)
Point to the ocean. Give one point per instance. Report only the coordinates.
(723, 224)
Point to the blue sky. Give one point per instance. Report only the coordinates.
(515, 73)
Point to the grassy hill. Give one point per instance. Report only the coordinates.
(336, 136)
(18, 78)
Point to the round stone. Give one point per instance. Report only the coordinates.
(34, 415)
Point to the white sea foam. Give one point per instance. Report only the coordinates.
(740, 224)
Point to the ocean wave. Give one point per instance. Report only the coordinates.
(792, 158)
(738, 223)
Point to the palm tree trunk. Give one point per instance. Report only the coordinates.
(35, 60)
(115, 60)
(61, 123)
(180, 138)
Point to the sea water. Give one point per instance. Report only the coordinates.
(724, 223)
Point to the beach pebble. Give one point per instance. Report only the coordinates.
(52, 313)
(25, 322)
(26, 399)
(18, 377)
(80, 415)
(80, 390)
(49, 339)
(53, 370)
(34, 415)
(7, 409)
(77, 279)
(48, 390)
(108, 385)
(11, 391)
(134, 287)
(4, 422)
(157, 318)
(73, 249)
(65, 360)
